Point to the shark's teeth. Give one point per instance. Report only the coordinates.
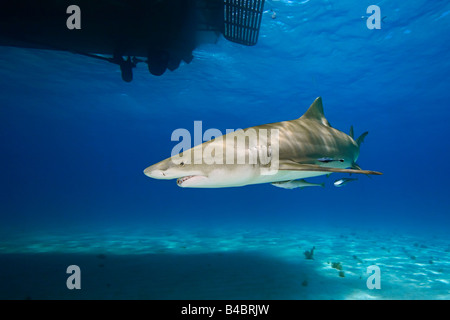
(183, 179)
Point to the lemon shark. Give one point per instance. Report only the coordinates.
(289, 150)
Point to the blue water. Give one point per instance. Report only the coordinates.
(75, 139)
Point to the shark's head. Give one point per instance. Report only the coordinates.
(186, 173)
(195, 168)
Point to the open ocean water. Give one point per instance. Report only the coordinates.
(75, 140)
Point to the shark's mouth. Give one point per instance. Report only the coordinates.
(191, 181)
(183, 179)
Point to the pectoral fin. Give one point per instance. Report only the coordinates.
(294, 166)
(356, 166)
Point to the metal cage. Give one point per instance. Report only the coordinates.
(242, 20)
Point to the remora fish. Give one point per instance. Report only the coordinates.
(296, 184)
(342, 182)
(301, 146)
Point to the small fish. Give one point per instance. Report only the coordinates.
(292, 184)
(343, 182)
(274, 14)
(326, 160)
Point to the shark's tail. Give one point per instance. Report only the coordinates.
(358, 142)
(361, 137)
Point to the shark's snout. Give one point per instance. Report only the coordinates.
(164, 170)
(154, 173)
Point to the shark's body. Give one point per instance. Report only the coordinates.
(306, 147)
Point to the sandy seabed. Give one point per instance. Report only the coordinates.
(228, 263)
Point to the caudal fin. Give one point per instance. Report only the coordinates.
(361, 138)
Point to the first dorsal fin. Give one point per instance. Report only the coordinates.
(315, 112)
